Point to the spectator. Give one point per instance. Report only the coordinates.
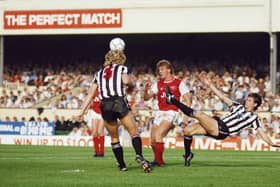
(239, 94)
(58, 124)
(242, 79)
(275, 124)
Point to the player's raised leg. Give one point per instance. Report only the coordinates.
(206, 121)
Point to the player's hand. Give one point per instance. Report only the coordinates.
(79, 117)
(148, 86)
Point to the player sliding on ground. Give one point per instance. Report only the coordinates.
(240, 117)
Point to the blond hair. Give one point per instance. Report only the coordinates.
(114, 57)
(165, 63)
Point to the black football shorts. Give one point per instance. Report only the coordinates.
(114, 108)
(223, 130)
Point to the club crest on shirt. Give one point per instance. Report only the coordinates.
(241, 115)
(162, 95)
(96, 99)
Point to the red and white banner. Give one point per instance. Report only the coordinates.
(80, 141)
(58, 19)
(205, 143)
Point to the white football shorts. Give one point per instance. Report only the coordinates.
(92, 115)
(169, 115)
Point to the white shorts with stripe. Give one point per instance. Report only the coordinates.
(169, 115)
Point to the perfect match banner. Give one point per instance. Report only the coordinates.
(62, 19)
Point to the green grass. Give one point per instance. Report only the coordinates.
(74, 166)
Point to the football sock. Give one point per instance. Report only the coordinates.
(159, 149)
(137, 144)
(185, 109)
(118, 152)
(187, 144)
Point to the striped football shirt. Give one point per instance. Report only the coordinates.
(238, 119)
(109, 81)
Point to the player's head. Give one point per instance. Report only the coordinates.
(164, 68)
(114, 57)
(253, 101)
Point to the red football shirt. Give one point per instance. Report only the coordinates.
(177, 88)
(96, 103)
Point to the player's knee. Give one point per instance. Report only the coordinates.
(159, 134)
(114, 135)
(101, 134)
(159, 137)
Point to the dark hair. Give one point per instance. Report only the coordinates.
(165, 63)
(257, 99)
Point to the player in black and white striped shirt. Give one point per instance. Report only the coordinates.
(111, 81)
(240, 117)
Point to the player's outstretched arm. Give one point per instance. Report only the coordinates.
(265, 138)
(87, 102)
(207, 82)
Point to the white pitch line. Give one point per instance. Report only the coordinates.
(73, 171)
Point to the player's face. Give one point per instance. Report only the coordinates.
(250, 104)
(163, 72)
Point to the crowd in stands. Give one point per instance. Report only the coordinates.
(33, 85)
(45, 81)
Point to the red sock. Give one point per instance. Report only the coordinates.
(101, 145)
(95, 145)
(159, 148)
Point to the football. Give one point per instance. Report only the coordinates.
(117, 44)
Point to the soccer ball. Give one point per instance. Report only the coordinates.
(117, 44)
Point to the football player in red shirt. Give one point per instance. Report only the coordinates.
(97, 127)
(167, 115)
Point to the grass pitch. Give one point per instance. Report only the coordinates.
(28, 166)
